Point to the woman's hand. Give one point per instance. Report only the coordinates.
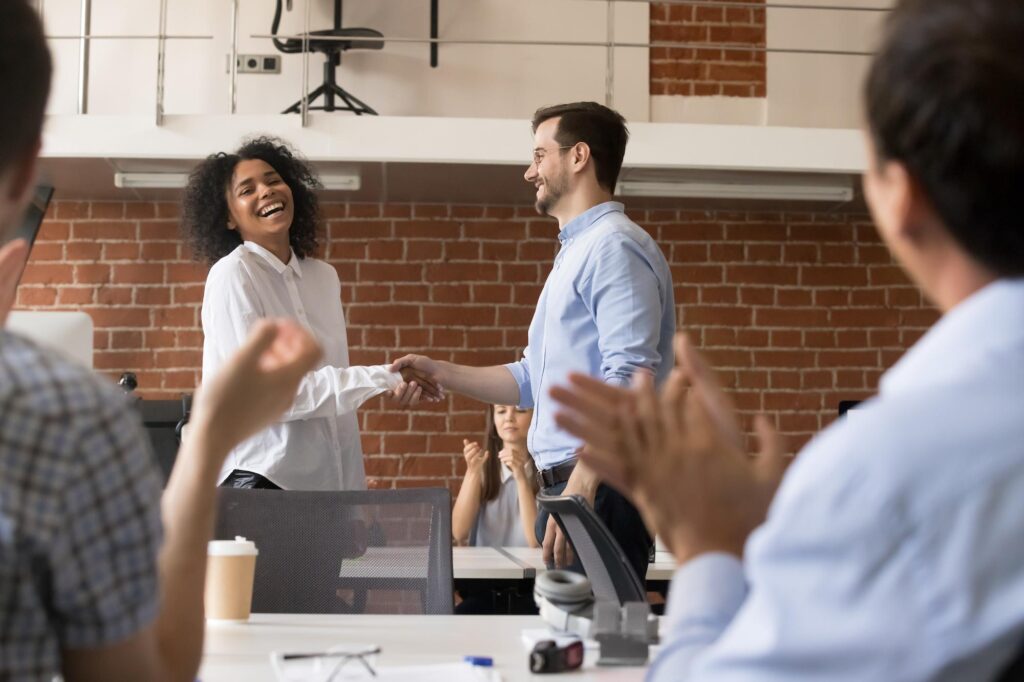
(516, 460)
(475, 457)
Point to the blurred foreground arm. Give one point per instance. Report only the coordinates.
(249, 391)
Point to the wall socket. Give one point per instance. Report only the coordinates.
(255, 63)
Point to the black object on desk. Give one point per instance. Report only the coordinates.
(332, 49)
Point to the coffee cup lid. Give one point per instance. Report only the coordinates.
(237, 547)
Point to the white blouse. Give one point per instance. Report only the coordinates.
(316, 444)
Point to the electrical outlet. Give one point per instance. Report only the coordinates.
(256, 63)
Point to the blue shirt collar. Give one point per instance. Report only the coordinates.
(585, 220)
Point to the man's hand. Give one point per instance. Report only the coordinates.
(556, 550)
(678, 456)
(12, 261)
(255, 386)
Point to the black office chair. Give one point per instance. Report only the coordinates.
(353, 551)
(164, 421)
(332, 50)
(611, 575)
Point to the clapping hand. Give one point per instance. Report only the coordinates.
(515, 459)
(475, 457)
(678, 455)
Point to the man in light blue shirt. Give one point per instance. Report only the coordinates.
(607, 310)
(893, 548)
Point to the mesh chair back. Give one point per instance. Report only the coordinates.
(609, 571)
(358, 551)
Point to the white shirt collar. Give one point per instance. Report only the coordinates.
(274, 261)
(988, 319)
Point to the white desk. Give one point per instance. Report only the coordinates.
(488, 563)
(663, 568)
(241, 651)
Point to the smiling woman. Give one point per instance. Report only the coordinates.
(253, 215)
(216, 186)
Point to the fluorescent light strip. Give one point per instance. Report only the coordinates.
(132, 180)
(717, 190)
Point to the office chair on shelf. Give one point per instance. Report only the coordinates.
(350, 551)
(332, 49)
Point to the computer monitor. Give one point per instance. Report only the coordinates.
(847, 405)
(65, 331)
(34, 214)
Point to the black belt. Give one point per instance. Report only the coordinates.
(557, 474)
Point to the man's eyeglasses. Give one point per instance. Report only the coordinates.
(322, 666)
(540, 152)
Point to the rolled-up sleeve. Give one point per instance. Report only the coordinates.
(521, 373)
(622, 293)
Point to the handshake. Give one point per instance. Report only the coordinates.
(420, 381)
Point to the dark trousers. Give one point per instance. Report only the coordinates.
(239, 478)
(622, 519)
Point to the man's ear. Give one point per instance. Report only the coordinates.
(913, 211)
(580, 156)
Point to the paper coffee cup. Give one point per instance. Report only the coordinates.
(230, 569)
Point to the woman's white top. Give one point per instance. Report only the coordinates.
(316, 444)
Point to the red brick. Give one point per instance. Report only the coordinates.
(180, 316)
(182, 293)
(75, 295)
(139, 209)
(419, 250)
(427, 229)
(36, 296)
(46, 273)
(120, 317)
(390, 272)
(761, 274)
(492, 293)
(464, 315)
(106, 209)
(158, 230)
(461, 272)
(113, 295)
(137, 274)
(115, 230)
(81, 251)
(799, 317)
(495, 230)
(391, 315)
(181, 273)
(70, 210)
(463, 250)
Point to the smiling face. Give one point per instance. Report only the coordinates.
(512, 424)
(260, 205)
(549, 171)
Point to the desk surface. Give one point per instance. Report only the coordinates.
(663, 568)
(241, 651)
(470, 563)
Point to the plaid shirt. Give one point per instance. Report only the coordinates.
(79, 513)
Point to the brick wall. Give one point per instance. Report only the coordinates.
(701, 72)
(797, 310)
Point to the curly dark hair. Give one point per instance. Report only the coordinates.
(204, 216)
